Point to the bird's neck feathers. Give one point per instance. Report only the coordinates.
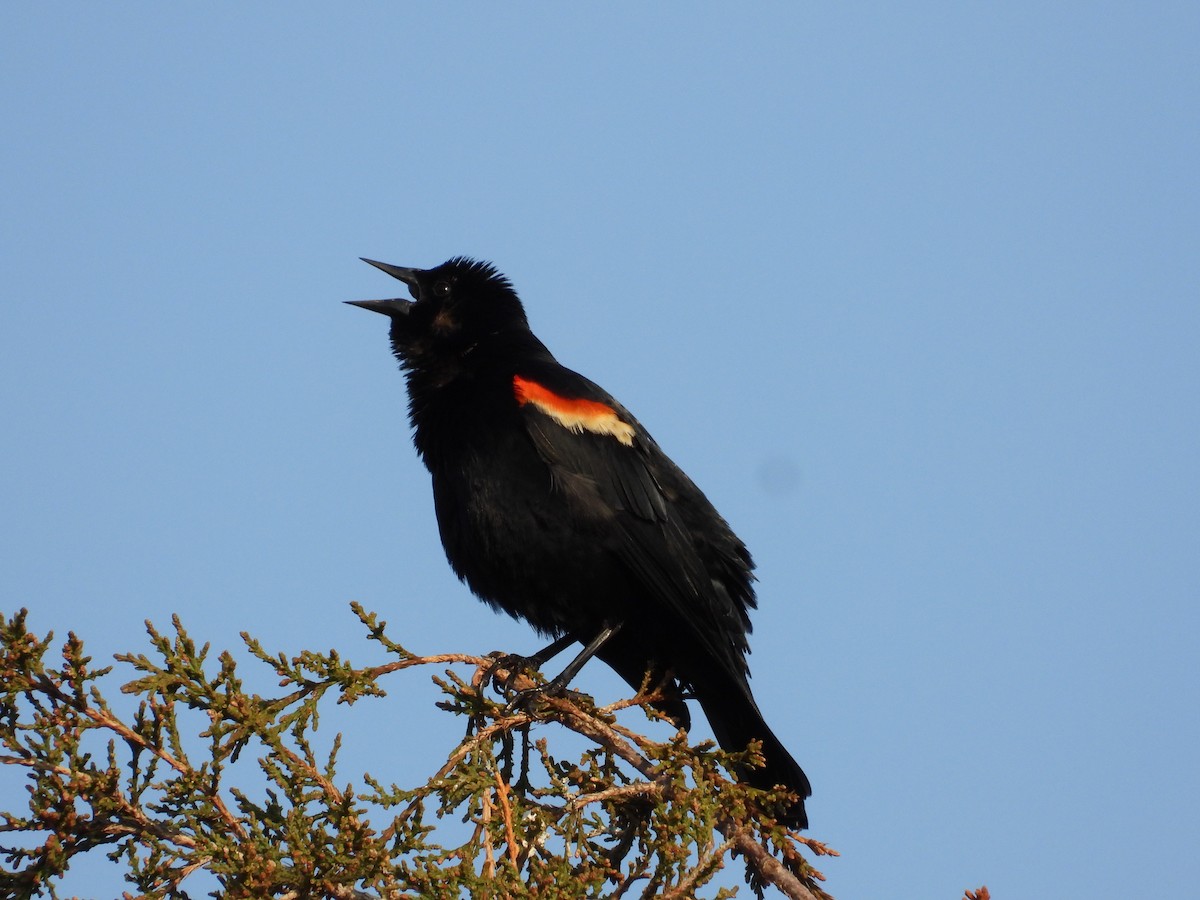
(452, 401)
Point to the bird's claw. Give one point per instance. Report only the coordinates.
(513, 665)
(522, 701)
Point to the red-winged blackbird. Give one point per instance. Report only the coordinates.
(556, 506)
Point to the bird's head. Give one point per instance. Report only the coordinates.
(455, 307)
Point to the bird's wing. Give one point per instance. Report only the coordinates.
(662, 527)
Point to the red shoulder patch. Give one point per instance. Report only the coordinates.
(573, 413)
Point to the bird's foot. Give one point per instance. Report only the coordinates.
(506, 668)
(523, 701)
(510, 669)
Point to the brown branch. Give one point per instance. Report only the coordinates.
(506, 811)
(482, 831)
(604, 734)
(621, 792)
(601, 732)
(683, 890)
(766, 865)
(623, 750)
(104, 720)
(440, 659)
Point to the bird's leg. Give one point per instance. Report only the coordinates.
(548, 653)
(566, 675)
(560, 681)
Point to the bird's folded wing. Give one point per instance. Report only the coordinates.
(613, 481)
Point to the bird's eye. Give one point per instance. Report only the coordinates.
(442, 289)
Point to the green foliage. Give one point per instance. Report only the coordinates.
(504, 817)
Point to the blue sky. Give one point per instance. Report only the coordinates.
(912, 291)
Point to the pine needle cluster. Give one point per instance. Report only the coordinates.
(507, 815)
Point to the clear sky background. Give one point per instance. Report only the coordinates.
(911, 290)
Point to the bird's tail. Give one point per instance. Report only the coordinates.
(736, 721)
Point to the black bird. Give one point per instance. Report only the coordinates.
(555, 505)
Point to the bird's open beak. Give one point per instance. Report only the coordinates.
(408, 276)
(395, 307)
(392, 308)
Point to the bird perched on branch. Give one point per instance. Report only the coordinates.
(555, 505)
